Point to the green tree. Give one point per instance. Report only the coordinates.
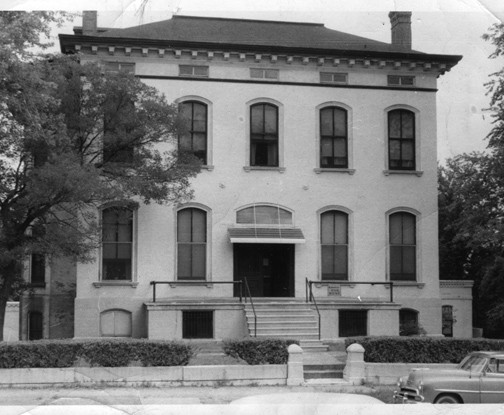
(73, 137)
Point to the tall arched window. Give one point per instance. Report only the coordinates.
(195, 137)
(402, 246)
(117, 243)
(401, 139)
(334, 245)
(333, 138)
(191, 244)
(264, 135)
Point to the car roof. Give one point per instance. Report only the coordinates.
(489, 353)
(307, 398)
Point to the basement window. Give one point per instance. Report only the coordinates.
(193, 70)
(353, 323)
(197, 324)
(333, 78)
(269, 74)
(400, 80)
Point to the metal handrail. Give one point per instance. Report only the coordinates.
(389, 283)
(247, 289)
(312, 297)
(154, 283)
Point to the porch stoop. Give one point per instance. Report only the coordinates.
(285, 320)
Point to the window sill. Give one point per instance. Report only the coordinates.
(189, 283)
(207, 167)
(37, 285)
(99, 284)
(264, 168)
(418, 173)
(333, 170)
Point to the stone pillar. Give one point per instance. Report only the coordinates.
(295, 373)
(11, 324)
(354, 371)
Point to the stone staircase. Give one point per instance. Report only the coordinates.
(286, 320)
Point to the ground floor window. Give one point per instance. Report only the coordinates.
(408, 322)
(353, 323)
(447, 329)
(197, 324)
(35, 325)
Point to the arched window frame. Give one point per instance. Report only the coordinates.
(417, 216)
(114, 311)
(133, 208)
(209, 126)
(349, 138)
(264, 225)
(208, 244)
(416, 169)
(350, 238)
(280, 133)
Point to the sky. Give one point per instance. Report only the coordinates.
(452, 27)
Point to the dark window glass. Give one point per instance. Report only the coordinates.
(447, 313)
(117, 243)
(194, 139)
(333, 138)
(191, 244)
(193, 70)
(408, 322)
(35, 325)
(37, 269)
(264, 215)
(352, 323)
(333, 78)
(402, 234)
(397, 80)
(334, 245)
(401, 140)
(264, 135)
(197, 324)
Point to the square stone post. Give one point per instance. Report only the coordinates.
(354, 371)
(295, 373)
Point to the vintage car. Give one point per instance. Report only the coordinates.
(479, 378)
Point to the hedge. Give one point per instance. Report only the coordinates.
(421, 349)
(259, 351)
(104, 352)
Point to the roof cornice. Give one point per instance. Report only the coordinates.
(68, 42)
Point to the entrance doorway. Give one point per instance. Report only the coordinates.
(268, 268)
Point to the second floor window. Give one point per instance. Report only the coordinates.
(401, 140)
(333, 138)
(117, 243)
(334, 245)
(194, 138)
(264, 135)
(118, 123)
(37, 269)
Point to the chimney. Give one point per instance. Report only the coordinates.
(89, 22)
(401, 30)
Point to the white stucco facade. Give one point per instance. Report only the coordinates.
(367, 190)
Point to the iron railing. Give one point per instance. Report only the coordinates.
(194, 283)
(310, 299)
(247, 293)
(389, 283)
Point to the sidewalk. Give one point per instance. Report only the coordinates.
(156, 396)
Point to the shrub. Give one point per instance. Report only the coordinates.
(420, 349)
(259, 351)
(104, 352)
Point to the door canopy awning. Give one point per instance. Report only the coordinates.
(266, 236)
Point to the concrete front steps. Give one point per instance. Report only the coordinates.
(286, 320)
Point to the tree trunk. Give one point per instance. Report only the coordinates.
(8, 273)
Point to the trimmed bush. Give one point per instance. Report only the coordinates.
(259, 351)
(421, 349)
(104, 352)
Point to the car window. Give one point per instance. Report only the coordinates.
(473, 363)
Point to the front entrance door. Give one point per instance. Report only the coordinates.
(268, 268)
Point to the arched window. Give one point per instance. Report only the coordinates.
(402, 246)
(117, 243)
(264, 135)
(264, 215)
(115, 323)
(333, 138)
(401, 139)
(195, 138)
(191, 244)
(408, 322)
(334, 245)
